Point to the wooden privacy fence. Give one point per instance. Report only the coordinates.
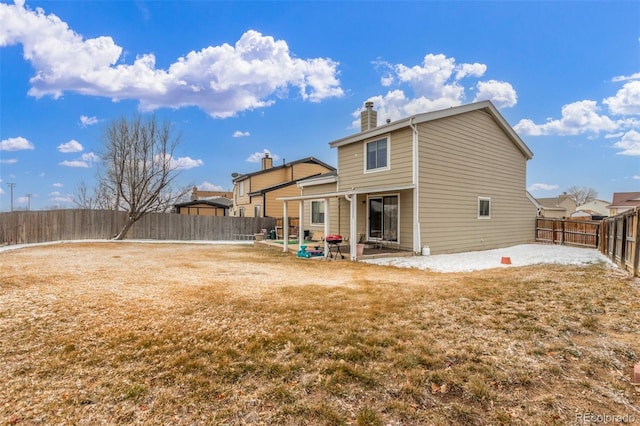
(581, 233)
(620, 240)
(25, 227)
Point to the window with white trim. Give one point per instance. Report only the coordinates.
(377, 154)
(256, 211)
(317, 212)
(484, 208)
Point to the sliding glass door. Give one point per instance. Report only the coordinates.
(383, 218)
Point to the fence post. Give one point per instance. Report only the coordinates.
(636, 237)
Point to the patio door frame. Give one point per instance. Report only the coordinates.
(383, 233)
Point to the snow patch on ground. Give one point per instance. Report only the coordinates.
(521, 255)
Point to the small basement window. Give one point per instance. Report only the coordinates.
(484, 208)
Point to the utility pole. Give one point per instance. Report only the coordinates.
(28, 201)
(11, 185)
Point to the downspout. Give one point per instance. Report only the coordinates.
(417, 243)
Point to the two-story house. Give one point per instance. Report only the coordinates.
(256, 194)
(559, 207)
(452, 180)
(623, 201)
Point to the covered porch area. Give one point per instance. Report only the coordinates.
(371, 222)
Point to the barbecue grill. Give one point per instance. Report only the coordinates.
(334, 241)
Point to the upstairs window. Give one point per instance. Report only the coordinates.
(377, 154)
(317, 212)
(241, 188)
(484, 208)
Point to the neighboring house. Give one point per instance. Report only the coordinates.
(594, 210)
(257, 194)
(197, 194)
(212, 206)
(623, 201)
(558, 207)
(206, 203)
(453, 180)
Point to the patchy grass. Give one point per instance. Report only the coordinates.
(183, 334)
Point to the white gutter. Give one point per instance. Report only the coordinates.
(416, 190)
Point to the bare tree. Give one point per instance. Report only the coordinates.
(138, 168)
(101, 197)
(582, 195)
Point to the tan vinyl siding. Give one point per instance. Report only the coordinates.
(338, 213)
(319, 189)
(462, 158)
(405, 199)
(351, 163)
(275, 207)
(269, 178)
(202, 210)
(406, 220)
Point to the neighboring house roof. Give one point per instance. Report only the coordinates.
(320, 179)
(197, 194)
(597, 206)
(625, 200)
(279, 186)
(550, 203)
(282, 166)
(485, 106)
(213, 202)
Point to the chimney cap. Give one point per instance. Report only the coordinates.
(368, 104)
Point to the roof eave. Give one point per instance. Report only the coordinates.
(435, 115)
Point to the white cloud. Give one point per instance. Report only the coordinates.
(626, 101)
(207, 186)
(15, 144)
(75, 164)
(432, 85)
(87, 121)
(629, 143)
(542, 187)
(85, 161)
(635, 76)
(577, 118)
(61, 198)
(256, 157)
(90, 157)
(185, 163)
(239, 134)
(636, 177)
(71, 146)
(9, 161)
(501, 93)
(57, 185)
(222, 80)
(475, 70)
(1, 191)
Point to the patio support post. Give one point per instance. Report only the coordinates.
(285, 227)
(353, 237)
(301, 223)
(326, 225)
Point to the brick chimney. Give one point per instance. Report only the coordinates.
(267, 162)
(368, 117)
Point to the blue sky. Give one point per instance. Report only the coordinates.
(239, 79)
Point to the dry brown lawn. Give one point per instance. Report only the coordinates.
(134, 333)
